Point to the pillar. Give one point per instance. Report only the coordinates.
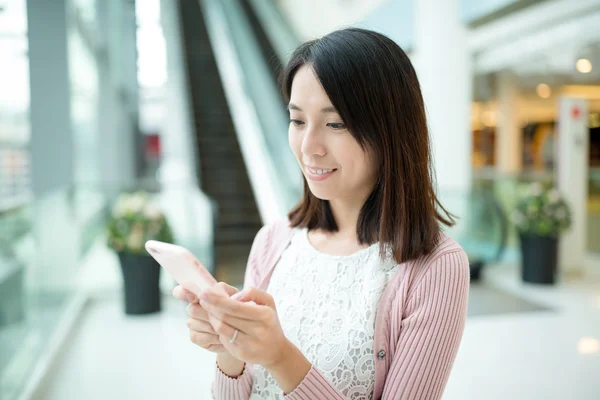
(508, 130)
(572, 179)
(443, 65)
(120, 141)
(52, 168)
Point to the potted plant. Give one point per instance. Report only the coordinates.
(135, 219)
(540, 216)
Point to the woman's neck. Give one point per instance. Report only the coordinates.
(345, 240)
(346, 217)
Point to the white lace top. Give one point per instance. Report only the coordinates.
(326, 305)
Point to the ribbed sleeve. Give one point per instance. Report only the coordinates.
(225, 387)
(430, 332)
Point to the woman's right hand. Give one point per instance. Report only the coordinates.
(201, 331)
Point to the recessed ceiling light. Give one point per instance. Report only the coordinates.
(543, 90)
(588, 345)
(584, 65)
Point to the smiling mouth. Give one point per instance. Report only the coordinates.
(320, 171)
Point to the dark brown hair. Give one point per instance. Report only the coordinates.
(374, 87)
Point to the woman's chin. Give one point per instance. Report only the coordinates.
(320, 194)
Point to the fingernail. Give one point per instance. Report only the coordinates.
(189, 298)
(236, 296)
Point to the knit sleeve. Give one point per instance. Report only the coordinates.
(239, 388)
(431, 329)
(253, 274)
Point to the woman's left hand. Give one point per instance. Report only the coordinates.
(252, 312)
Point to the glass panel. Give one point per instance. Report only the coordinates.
(35, 283)
(84, 106)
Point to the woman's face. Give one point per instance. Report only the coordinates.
(335, 166)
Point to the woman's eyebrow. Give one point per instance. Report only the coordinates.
(329, 109)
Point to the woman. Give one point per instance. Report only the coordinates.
(358, 295)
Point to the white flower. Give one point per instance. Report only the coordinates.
(152, 211)
(535, 189)
(136, 203)
(553, 196)
(120, 207)
(119, 210)
(135, 240)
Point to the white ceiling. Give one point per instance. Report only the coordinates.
(542, 43)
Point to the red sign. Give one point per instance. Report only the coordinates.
(153, 146)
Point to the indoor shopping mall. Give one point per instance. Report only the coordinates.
(123, 121)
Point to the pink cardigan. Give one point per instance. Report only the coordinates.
(418, 327)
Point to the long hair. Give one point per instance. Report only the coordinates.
(374, 87)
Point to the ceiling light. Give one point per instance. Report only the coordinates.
(584, 65)
(488, 118)
(543, 90)
(588, 345)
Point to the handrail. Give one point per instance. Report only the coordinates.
(261, 135)
(482, 227)
(281, 36)
(264, 92)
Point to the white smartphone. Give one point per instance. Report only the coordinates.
(181, 264)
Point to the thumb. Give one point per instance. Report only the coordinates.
(256, 296)
(231, 290)
(228, 289)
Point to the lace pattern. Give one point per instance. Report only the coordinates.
(327, 306)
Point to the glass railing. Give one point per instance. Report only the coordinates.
(482, 227)
(47, 270)
(41, 243)
(281, 36)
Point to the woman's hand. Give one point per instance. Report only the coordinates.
(201, 331)
(260, 339)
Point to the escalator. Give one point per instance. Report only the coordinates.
(221, 168)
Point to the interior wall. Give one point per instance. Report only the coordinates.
(315, 18)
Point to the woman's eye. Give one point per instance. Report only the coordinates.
(296, 122)
(339, 125)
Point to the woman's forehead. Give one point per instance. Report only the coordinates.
(308, 93)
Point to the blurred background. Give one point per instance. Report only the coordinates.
(123, 120)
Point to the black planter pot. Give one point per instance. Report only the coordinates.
(539, 259)
(475, 268)
(141, 284)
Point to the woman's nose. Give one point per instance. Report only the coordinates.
(312, 144)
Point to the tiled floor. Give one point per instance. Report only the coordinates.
(116, 357)
(521, 342)
(533, 355)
